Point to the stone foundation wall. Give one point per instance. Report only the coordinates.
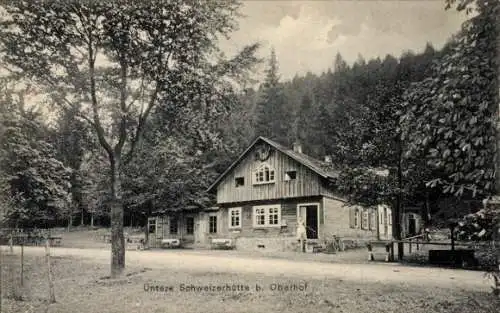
(267, 244)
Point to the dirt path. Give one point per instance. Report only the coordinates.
(216, 262)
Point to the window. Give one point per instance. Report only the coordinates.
(152, 226)
(239, 181)
(260, 217)
(389, 218)
(190, 225)
(290, 175)
(364, 222)
(274, 216)
(173, 225)
(267, 216)
(212, 224)
(264, 174)
(234, 217)
(356, 218)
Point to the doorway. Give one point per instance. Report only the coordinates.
(309, 214)
(412, 225)
(312, 222)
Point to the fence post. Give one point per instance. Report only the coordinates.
(11, 243)
(52, 297)
(22, 265)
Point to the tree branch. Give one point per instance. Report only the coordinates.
(143, 116)
(97, 121)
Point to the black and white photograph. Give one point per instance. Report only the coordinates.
(249, 156)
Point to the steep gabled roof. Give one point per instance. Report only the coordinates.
(321, 168)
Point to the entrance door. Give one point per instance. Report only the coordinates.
(312, 222)
(309, 214)
(412, 225)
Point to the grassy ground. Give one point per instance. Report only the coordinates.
(81, 286)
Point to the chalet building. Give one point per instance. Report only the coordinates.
(270, 188)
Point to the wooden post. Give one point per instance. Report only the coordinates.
(452, 235)
(370, 252)
(1, 278)
(22, 264)
(11, 244)
(52, 297)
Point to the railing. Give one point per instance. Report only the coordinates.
(415, 239)
(28, 236)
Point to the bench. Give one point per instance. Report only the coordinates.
(388, 250)
(221, 243)
(170, 243)
(55, 241)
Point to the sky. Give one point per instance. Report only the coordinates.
(307, 35)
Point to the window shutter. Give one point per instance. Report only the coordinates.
(351, 216)
(362, 213)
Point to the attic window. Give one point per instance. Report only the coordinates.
(239, 181)
(264, 174)
(290, 175)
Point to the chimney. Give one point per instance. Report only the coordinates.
(297, 147)
(328, 159)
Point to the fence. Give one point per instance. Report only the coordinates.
(28, 236)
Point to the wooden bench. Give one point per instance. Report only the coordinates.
(136, 241)
(170, 243)
(55, 241)
(388, 245)
(222, 243)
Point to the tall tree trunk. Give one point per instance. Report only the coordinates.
(83, 215)
(92, 219)
(497, 182)
(396, 222)
(70, 221)
(117, 238)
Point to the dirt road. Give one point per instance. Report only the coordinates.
(218, 262)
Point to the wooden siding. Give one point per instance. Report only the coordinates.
(288, 215)
(306, 184)
(337, 221)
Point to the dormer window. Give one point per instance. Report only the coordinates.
(264, 174)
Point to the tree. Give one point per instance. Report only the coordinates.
(450, 117)
(73, 140)
(119, 61)
(273, 120)
(487, 19)
(36, 183)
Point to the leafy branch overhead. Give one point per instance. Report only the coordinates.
(122, 62)
(122, 58)
(450, 117)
